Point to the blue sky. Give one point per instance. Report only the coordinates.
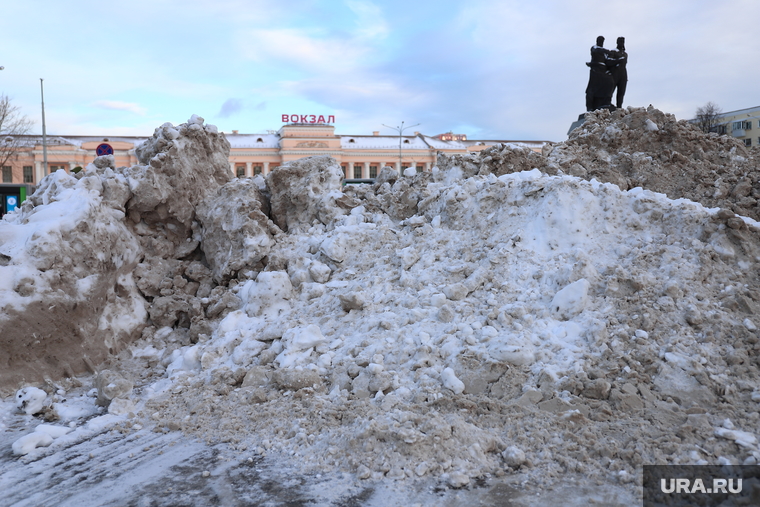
(489, 69)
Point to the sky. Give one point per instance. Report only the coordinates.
(502, 70)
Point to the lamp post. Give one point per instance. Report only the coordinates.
(400, 131)
(44, 135)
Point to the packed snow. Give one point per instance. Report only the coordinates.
(506, 314)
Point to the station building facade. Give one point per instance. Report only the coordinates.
(360, 156)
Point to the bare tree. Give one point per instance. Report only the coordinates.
(708, 116)
(13, 126)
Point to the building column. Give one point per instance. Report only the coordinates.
(427, 166)
(39, 171)
(265, 169)
(365, 170)
(398, 166)
(232, 169)
(349, 172)
(249, 169)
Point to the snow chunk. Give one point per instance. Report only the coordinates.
(30, 400)
(571, 300)
(410, 172)
(299, 343)
(28, 443)
(450, 381)
(52, 430)
(335, 247)
(268, 295)
(743, 438)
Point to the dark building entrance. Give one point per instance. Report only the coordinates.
(11, 196)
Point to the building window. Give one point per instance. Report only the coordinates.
(54, 168)
(748, 142)
(259, 140)
(240, 171)
(28, 174)
(256, 170)
(357, 171)
(373, 171)
(720, 129)
(7, 174)
(742, 125)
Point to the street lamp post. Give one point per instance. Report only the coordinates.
(44, 135)
(400, 131)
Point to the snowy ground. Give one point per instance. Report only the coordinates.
(106, 465)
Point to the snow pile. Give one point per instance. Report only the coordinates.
(179, 167)
(640, 147)
(78, 257)
(66, 283)
(460, 340)
(485, 317)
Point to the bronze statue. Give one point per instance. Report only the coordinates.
(619, 71)
(601, 83)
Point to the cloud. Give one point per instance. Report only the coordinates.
(370, 21)
(230, 107)
(307, 52)
(320, 49)
(117, 105)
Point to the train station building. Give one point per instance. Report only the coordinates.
(360, 156)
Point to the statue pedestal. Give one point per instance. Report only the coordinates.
(582, 117)
(577, 123)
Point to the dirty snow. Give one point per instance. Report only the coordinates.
(507, 315)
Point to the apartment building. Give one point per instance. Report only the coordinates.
(743, 124)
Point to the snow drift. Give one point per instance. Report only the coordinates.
(70, 256)
(508, 312)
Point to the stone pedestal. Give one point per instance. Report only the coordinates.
(577, 123)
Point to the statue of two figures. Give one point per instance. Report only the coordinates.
(608, 73)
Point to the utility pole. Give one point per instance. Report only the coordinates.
(400, 131)
(44, 135)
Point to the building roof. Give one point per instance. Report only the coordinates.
(272, 141)
(382, 143)
(253, 140)
(78, 141)
(749, 110)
